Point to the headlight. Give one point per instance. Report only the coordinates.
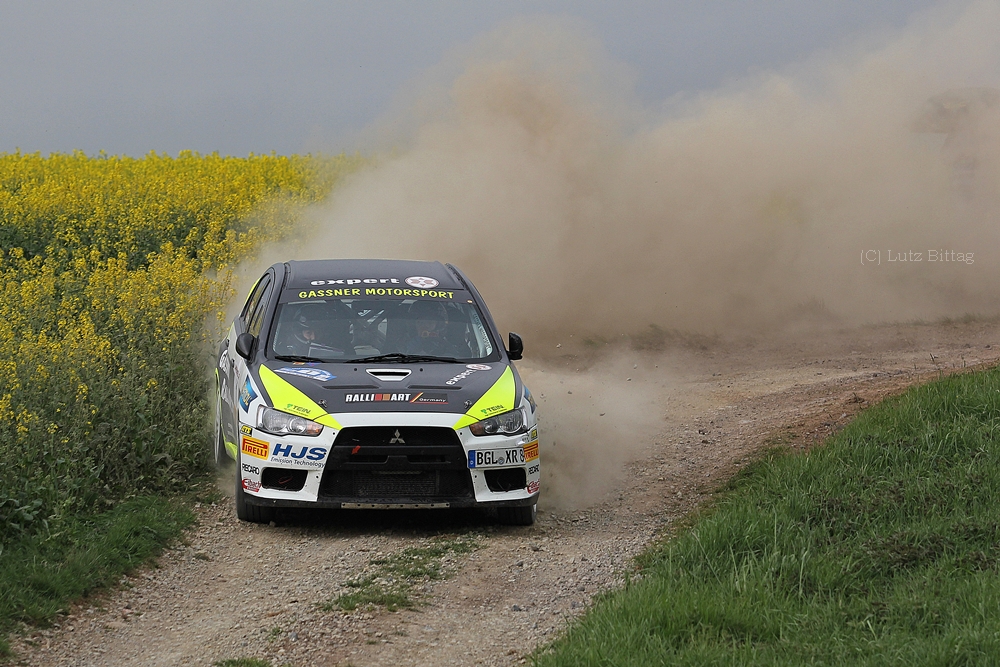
(282, 423)
(509, 423)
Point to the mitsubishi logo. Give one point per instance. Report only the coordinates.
(396, 439)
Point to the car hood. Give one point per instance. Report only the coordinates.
(312, 390)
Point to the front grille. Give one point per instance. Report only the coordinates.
(385, 436)
(381, 486)
(389, 462)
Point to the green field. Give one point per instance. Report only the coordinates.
(881, 547)
(115, 273)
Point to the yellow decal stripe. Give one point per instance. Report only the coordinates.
(499, 399)
(252, 288)
(288, 399)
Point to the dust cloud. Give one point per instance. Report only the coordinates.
(791, 195)
(592, 423)
(787, 199)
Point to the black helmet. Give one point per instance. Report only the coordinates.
(310, 316)
(428, 310)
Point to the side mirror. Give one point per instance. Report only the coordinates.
(515, 347)
(244, 345)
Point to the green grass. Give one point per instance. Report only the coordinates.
(389, 582)
(42, 574)
(242, 662)
(880, 548)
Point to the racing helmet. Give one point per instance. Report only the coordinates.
(311, 316)
(429, 311)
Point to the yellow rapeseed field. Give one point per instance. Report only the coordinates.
(112, 271)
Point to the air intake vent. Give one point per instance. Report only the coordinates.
(283, 479)
(389, 374)
(505, 479)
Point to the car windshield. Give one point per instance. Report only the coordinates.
(392, 330)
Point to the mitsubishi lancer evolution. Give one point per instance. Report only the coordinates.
(367, 384)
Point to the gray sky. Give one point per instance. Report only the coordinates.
(241, 77)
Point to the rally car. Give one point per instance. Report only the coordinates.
(366, 384)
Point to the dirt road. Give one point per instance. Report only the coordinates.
(676, 422)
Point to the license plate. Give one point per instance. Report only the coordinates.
(496, 458)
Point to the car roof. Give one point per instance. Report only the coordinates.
(308, 273)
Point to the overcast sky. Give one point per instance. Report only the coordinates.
(290, 77)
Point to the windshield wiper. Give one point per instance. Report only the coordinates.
(298, 357)
(400, 358)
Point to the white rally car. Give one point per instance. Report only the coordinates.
(374, 384)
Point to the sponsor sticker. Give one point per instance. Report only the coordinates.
(253, 470)
(534, 434)
(299, 455)
(300, 451)
(531, 451)
(395, 291)
(247, 394)
(357, 281)
(469, 370)
(298, 408)
(317, 374)
(320, 293)
(300, 463)
(246, 429)
(532, 487)
(423, 282)
(377, 398)
(377, 291)
(255, 448)
(491, 410)
(530, 399)
(436, 399)
(533, 470)
(251, 485)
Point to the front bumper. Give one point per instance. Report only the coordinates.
(390, 461)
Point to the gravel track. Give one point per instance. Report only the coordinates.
(237, 590)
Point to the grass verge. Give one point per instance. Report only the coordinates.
(391, 581)
(242, 662)
(41, 575)
(881, 547)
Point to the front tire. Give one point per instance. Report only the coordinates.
(518, 516)
(245, 511)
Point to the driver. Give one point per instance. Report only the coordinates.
(312, 328)
(431, 320)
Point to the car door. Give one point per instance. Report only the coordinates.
(250, 319)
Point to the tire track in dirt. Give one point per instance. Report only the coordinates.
(237, 590)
